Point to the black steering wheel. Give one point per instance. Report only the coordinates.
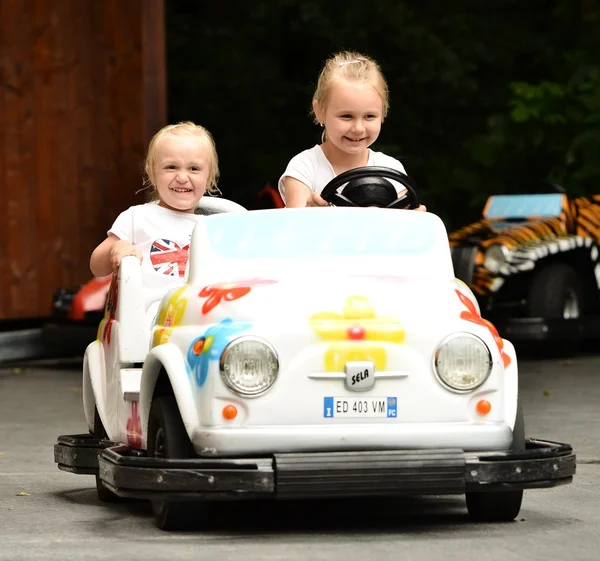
(369, 186)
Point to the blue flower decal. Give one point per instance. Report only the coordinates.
(210, 347)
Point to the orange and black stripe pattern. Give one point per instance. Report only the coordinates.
(579, 217)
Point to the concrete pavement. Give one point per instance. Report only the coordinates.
(52, 515)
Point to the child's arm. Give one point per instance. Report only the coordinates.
(106, 258)
(298, 194)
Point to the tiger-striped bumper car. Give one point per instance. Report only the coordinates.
(532, 262)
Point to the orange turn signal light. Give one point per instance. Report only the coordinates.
(230, 412)
(483, 407)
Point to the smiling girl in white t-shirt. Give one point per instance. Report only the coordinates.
(181, 165)
(350, 103)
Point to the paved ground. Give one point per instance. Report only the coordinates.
(51, 515)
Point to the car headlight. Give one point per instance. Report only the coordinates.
(462, 362)
(249, 366)
(495, 257)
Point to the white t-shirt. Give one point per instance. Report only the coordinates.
(313, 168)
(163, 236)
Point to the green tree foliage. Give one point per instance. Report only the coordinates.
(550, 128)
(486, 97)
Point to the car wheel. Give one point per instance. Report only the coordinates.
(104, 494)
(556, 292)
(167, 438)
(499, 506)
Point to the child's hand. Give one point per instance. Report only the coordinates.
(421, 208)
(121, 249)
(316, 200)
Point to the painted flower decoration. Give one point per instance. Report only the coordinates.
(357, 324)
(210, 347)
(110, 311)
(169, 316)
(473, 316)
(228, 291)
(134, 427)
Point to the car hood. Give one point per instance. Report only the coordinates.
(298, 313)
(360, 295)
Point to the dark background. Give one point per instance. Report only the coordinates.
(486, 97)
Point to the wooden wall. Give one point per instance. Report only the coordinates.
(82, 90)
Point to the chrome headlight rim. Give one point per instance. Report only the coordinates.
(446, 340)
(494, 263)
(227, 350)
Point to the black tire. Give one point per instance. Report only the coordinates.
(167, 438)
(555, 292)
(104, 495)
(499, 506)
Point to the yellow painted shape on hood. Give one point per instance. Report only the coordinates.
(338, 354)
(358, 313)
(358, 307)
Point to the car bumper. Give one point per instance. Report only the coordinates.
(340, 436)
(318, 474)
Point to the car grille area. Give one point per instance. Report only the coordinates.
(392, 472)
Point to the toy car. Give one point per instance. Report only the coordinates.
(311, 353)
(65, 332)
(532, 262)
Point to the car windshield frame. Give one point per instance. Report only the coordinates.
(288, 235)
(315, 242)
(513, 207)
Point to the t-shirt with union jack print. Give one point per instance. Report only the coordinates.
(163, 237)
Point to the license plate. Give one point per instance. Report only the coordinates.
(360, 407)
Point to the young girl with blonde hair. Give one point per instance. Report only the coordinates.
(350, 102)
(180, 166)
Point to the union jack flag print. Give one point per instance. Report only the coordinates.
(168, 258)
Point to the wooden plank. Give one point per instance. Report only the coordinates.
(5, 87)
(50, 109)
(88, 127)
(77, 145)
(124, 86)
(66, 254)
(21, 280)
(98, 161)
(154, 62)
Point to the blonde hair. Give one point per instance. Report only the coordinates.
(184, 127)
(352, 67)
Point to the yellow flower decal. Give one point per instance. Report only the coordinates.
(338, 354)
(169, 316)
(356, 325)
